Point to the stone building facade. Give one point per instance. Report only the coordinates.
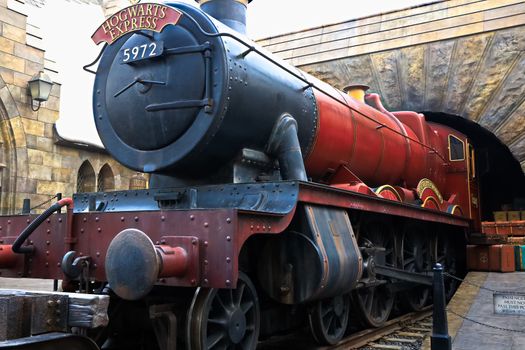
(35, 162)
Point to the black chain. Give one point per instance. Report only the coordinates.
(490, 290)
(486, 325)
(515, 291)
(41, 204)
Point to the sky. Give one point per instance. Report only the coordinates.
(67, 40)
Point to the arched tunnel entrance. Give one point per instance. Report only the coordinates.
(502, 181)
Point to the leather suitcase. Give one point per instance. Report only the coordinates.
(513, 215)
(478, 257)
(518, 228)
(488, 227)
(501, 258)
(503, 228)
(500, 216)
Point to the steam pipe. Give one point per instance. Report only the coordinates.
(17, 245)
(284, 145)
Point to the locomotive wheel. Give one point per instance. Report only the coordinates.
(374, 304)
(224, 318)
(329, 318)
(446, 256)
(416, 257)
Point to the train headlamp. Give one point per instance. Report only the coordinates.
(40, 87)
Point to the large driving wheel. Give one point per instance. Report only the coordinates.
(374, 304)
(446, 256)
(329, 318)
(224, 318)
(416, 257)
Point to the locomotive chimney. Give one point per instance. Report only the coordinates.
(357, 91)
(230, 12)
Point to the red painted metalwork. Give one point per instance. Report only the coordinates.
(174, 261)
(358, 146)
(209, 257)
(373, 145)
(66, 201)
(211, 252)
(7, 256)
(325, 195)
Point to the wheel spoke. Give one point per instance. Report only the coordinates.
(325, 311)
(214, 339)
(218, 321)
(231, 297)
(240, 292)
(328, 324)
(221, 302)
(374, 305)
(416, 257)
(409, 260)
(215, 311)
(328, 327)
(370, 300)
(247, 306)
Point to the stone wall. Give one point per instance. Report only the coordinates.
(460, 57)
(32, 164)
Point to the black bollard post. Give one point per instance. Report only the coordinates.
(26, 206)
(59, 197)
(440, 340)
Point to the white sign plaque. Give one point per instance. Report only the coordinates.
(509, 303)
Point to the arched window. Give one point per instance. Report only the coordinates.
(106, 179)
(86, 178)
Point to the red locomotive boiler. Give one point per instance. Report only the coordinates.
(275, 200)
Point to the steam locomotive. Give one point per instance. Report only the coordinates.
(275, 200)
